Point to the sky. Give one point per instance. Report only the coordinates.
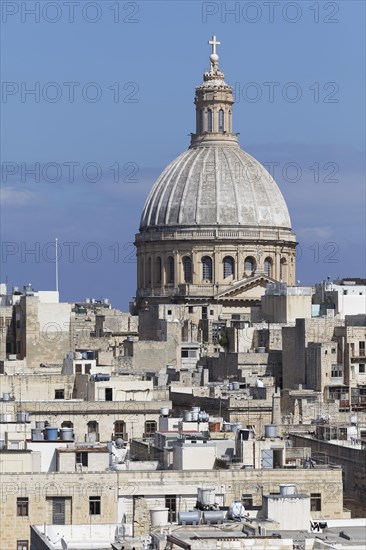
(97, 98)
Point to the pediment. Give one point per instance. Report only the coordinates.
(246, 288)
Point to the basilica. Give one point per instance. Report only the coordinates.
(215, 227)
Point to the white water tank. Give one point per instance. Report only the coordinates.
(287, 489)
(206, 496)
(270, 430)
(159, 516)
(236, 509)
(164, 411)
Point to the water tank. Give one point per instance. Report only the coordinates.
(195, 416)
(270, 430)
(164, 411)
(66, 434)
(87, 300)
(206, 496)
(236, 385)
(227, 427)
(50, 433)
(129, 338)
(287, 489)
(196, 409)
(22, 417)
(77, 355)
(40, 424)
(189, 518)
(261, 349)
(230, 387)
(236, 509)
(5, 417)
(159, 516)
(236, 426)
(203, 416)
(187, 416)
(36, 434)
(259, 384)
(353, 419)
(105, 301)
(213, 517)
(6, 396)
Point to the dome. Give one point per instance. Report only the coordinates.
(215, 184)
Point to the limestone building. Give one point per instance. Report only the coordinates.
(215, 225)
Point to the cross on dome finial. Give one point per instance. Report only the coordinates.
(214, 43)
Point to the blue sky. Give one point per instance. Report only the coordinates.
(116, 95)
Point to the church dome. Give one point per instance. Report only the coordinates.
(215, 224)
(214, 183)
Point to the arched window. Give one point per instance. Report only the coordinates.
(249, 265)
(150, 427)
(158, 270)
(170, 270)
(148, 278)
(221, 121)
(187, 269)
(201, 120)
(229, 128)
(93, 431)
(209, 120)
(229, 267)
(207, 268)
(283, 269)
(268, 267)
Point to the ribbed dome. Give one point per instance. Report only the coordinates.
(215, 184)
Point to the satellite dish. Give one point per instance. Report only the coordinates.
(63, 543)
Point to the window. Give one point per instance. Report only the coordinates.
(268, 267)
(150, 427)
(361, 368)
(59, 394)
(78, 368)
(361, 346)
(22, 506)
(186, 352)
(187, 269)
(119, 429)
(247, 501)
(94, 506)
(170, 270)
(229, 267)
(82, 458)
(221, 121)
(337, 371)
(209, 120)
(158, 268)
(22, 545)
(171, 504)
(249, 265)
(315, 502)
(207, 268)
(109, 394)
(190, 309)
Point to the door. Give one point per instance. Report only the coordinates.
(267, 458)
(58, 511)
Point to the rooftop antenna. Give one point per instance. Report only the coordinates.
(56, 258)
